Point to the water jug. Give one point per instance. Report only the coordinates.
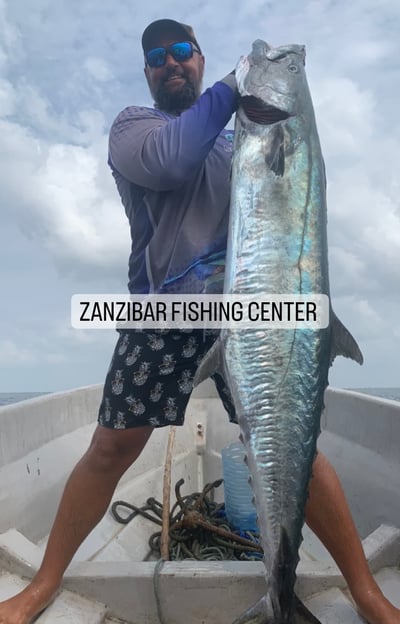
(239, 509)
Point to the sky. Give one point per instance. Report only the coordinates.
(68, 68)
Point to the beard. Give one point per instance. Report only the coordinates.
(178, 100)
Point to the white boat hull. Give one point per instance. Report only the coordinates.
(41, 440)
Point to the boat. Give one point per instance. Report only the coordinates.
(111, 579)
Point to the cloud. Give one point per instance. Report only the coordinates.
(350, 271)
(15, 354)
(67, 69)
(63, 330)
(360, 317)
(346, 123)
(67, 199)
(7, 98)
(98, 69)
(365, 222)
(363, 188)
(11, 44)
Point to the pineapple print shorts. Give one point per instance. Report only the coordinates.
(150, 378)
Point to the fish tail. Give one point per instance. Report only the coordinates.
(284, 573)
(291, 609)
(280, 605)
(302, 614)
(264, 612)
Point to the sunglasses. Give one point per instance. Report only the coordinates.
(182, 51)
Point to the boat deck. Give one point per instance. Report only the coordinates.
(108, 581)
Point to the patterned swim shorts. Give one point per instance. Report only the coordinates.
(150, 378)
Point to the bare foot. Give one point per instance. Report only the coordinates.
(25, 606)
(376, 609)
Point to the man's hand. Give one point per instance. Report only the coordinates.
(230, 80)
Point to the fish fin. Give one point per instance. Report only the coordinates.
(302, 614)
(343, 342)
(280, 604)
(210, 364)
(261, 612)
(284, 575)
(275, 157)
(288, 608)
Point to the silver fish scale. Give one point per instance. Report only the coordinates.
(279, 230)
(277, 245)
(279, 426)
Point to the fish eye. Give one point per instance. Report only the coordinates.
(293, 68)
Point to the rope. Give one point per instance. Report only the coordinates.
(156, 586)
(164, 539)
(198, 528)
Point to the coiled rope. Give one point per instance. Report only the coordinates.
(198, 528)
(195, 528)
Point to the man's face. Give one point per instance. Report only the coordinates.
(176, 85)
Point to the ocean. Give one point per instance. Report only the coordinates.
(6, 398)
(14, 397)
(386, 393)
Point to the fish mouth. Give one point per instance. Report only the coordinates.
(259, 112)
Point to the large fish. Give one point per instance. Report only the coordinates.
(277, 244)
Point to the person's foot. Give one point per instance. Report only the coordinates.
(376, 609)
(25, 606)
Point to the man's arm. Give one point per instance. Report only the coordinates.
(161, 153)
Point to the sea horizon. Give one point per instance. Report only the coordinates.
(386, 392)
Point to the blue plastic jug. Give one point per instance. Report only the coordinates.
(239, 509)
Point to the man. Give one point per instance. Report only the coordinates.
(171, 166)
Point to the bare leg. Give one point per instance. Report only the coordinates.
(86, 497)
(328, 515)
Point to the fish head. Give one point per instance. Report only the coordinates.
(273, 80)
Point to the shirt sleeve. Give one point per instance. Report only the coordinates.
(161, 153)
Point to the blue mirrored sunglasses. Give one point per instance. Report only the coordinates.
(182, 51)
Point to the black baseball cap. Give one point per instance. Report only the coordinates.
(155, 30)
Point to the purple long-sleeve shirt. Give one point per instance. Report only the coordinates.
(172, 174)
